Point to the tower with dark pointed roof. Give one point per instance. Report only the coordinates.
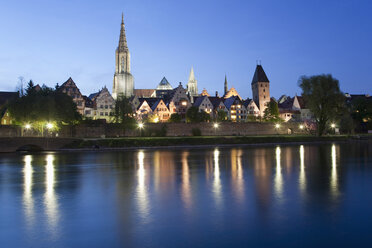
(260, 88)
(123, 79)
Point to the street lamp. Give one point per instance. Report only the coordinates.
(215, 125)
(301, 126)
(333, 125)
(27, 126)
(277, 126)
(49, 125)
(140, 126)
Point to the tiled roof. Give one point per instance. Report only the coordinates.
(259, 75)
(143, 92)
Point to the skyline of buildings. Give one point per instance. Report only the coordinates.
(78, 45)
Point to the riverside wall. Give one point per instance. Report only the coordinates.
(159, 129)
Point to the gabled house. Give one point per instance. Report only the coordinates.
(160, 110)
(218, 105)
(252, 108)
(237, 111)
(178, 101)
(5, 98)
(69, 87)
(286, 110)
(143, 110)
(203, 104)
(104, 105)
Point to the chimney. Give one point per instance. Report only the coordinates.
(217, 94)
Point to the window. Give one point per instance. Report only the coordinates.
(101, 113)
(101, 106)
(106, 107)
(106, 114)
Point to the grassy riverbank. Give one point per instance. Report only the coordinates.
(201, 140)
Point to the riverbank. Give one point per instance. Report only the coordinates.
(34, 144)
(147, 142)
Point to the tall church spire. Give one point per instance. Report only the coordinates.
(123, 39)
(226, 89)
(192, 76)
(192, 84)
(123, 79)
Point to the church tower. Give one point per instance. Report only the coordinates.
(192, 84)
(260, 89)
(123, 79)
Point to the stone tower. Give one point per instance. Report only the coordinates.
(260, 89)
(123, 79)
(192, 84)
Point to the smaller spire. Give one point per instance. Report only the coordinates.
(122, 17)
(225, 86)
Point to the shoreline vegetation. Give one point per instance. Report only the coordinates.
(173, 142)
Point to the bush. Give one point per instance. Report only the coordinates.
(196, 132)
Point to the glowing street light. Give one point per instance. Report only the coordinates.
(277, 126)
(27, 126)
(49, 125)
(140, 126)
(215, 125)
(333, 125)
(301, 126)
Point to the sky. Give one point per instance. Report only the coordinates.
(49, 41)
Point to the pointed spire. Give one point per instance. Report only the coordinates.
(123, 39)
(192, 76)
(225, 86)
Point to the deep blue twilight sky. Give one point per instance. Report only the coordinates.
(49, 41)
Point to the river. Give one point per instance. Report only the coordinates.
(311, 195)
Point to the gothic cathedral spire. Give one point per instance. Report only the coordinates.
(192, 84)
(123, 46)
(123, 79)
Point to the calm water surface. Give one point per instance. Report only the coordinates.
(273, 196)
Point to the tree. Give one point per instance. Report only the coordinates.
(221, 115)
(271, 112)
(193, 115)
(123, 113)
(175, 117)
(46, 105)
(324, 99)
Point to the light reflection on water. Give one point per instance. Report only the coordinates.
(334, 177)
(302, 176)
(245, 185)
(186, 188)
(217, 187)
(50, 198)
(142, 194)
(28, 201)
(278, 180)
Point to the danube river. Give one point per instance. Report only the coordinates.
(317, 195)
